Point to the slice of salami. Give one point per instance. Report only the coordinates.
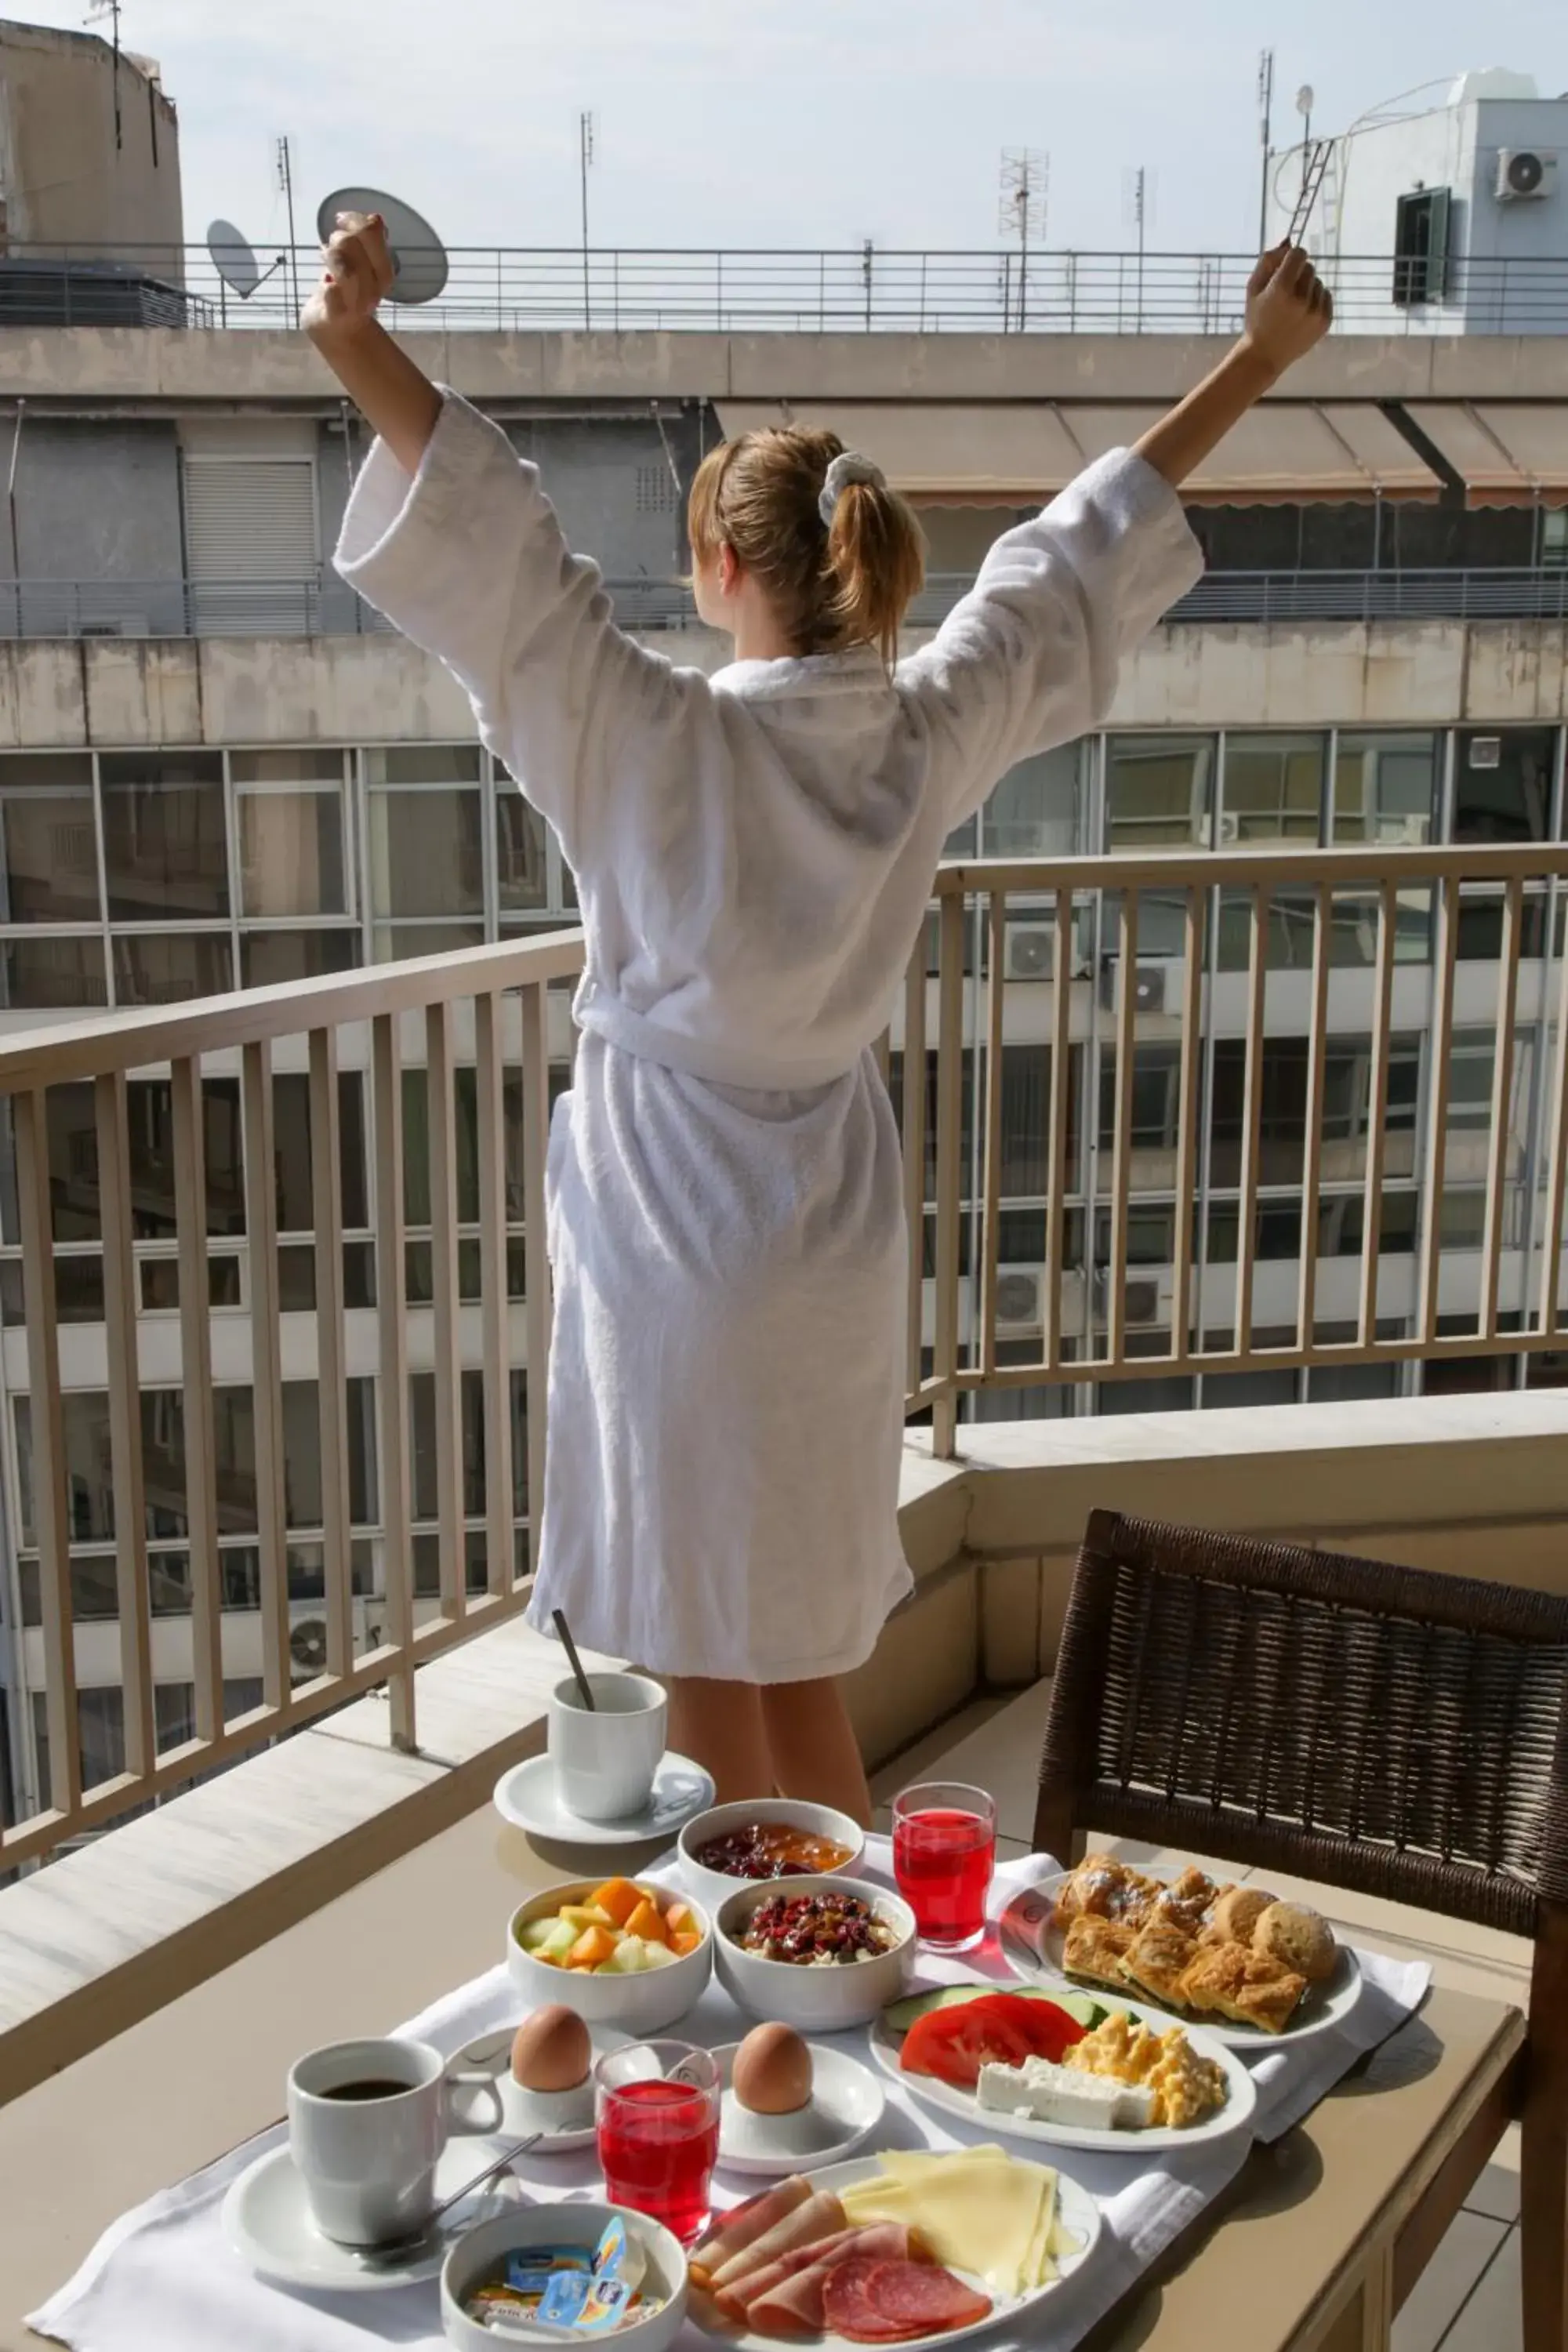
(871, 2301)
(923, 2295)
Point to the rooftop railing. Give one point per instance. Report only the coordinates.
(857, 289)
(324, 606)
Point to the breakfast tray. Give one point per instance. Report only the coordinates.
(163, 2280)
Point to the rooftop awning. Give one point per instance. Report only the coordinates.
(1283, 453)
(1006, 453)
(1508, 452)
(1018, 454)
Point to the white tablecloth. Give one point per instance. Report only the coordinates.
(162, 2279)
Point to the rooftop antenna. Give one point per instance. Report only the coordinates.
(1139, 188)
(1026, 187)
(1306, 97)
(286, 182)
(95, 16)
(1266, 133)
(417, 255)
(585, 164)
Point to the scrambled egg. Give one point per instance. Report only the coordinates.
(1185, 2086)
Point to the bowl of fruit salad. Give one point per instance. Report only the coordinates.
(620, 1951)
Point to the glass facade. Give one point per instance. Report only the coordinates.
(148, 878)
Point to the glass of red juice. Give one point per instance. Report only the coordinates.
(657, 2104)
(944, 1851)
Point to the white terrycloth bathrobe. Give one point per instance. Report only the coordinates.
(754, 854)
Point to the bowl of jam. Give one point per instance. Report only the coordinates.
(763, 1839)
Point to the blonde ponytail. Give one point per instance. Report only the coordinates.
(839, 570)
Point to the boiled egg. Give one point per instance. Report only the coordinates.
(772, 2074)
(551, 2051)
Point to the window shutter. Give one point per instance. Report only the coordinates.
(250, 518)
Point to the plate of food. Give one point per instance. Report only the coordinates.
(1113, 2077)
(1249, 1969)
(907, 2248)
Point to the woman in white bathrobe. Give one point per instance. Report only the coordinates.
(753, 852)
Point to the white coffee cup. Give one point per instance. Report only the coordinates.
(368, 2163)
(606, 1757)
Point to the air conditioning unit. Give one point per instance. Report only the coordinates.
(307, 1647)
(129, 625)
(1148, 986)
(1525, 175)
(1031, 948)
(1486, 751)
(1140, 1295)
(1019, 1299)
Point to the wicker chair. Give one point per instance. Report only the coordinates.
(1374, 1727)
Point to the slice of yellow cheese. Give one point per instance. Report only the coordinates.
(979, 2210)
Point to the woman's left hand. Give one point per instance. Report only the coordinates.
(1289, 309)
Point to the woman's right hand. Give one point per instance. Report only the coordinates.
(357, 271)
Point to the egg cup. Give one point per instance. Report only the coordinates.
(844, 2108)
(564, 2118)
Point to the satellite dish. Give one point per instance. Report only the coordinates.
(418, 256)
(233, 259)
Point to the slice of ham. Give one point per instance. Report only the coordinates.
(821, 2216)
(793, 2305)
(737, 2298)
(872, 2301)
(744, 2224)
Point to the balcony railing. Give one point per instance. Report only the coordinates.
(324, 606)
(859, 290)
(1103, 970)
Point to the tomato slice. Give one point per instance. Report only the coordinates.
(998, 2029)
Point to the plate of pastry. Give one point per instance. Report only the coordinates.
(1250, 1969)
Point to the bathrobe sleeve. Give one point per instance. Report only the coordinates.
(1030, 657)
(468, 560)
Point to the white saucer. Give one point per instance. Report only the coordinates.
(528, 1798)
(266, 2221)
(846, 2102)
(563, 2119)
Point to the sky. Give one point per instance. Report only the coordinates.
(784, 122)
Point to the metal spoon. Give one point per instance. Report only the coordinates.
(570, 1646)
(398, 2251)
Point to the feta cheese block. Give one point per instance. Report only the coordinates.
(1061, 2094)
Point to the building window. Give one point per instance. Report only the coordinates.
(1421, 247)
(1502, 788)
(165, 850)
(1555, 540)
(292, 854)
(170, 967)
(1159, 792)
(1385, 787)
(48, 840)
(47, 974)
(1272, 789)
(1037, 809)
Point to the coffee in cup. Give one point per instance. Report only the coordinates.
(367, 2125)
(605, 1756)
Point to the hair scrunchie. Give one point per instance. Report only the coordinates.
(848, 467)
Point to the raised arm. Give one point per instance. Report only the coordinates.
(1287, 310)
(1030, 657)
(448, 533)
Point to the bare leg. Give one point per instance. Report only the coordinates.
(815, 1752)
(720, 1725)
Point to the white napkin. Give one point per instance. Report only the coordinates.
(162, 2279)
